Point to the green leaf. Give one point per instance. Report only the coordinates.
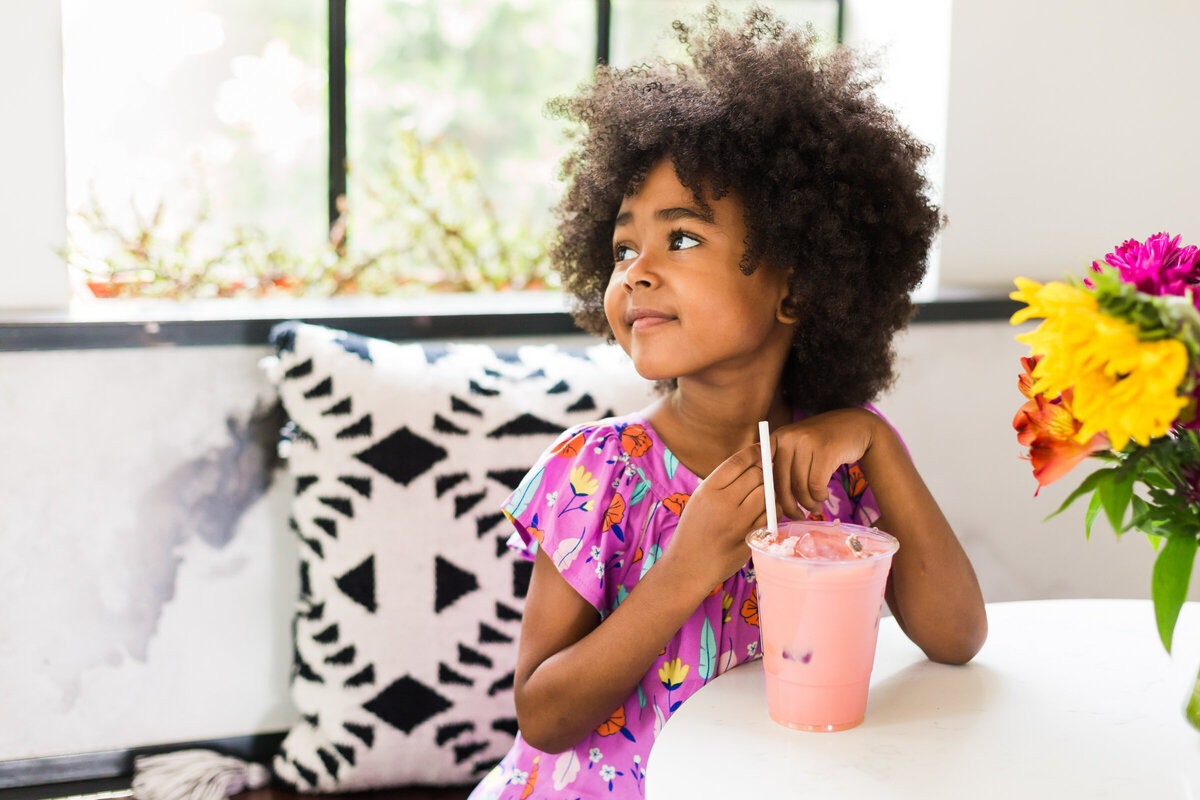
(1115, 496)
(1144, 520)
(525, 491)
(1152, 476)
(648, 559)
(1090, 483)
(641, 489)
(1092, 510)
(670, 462)
(1169, 584)
(708, 652)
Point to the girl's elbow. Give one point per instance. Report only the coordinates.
(960, 648)
(551, 745)
(539, 731)
(543, 738)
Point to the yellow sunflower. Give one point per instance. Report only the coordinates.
(1123, 387)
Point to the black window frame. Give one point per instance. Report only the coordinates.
(338, 125)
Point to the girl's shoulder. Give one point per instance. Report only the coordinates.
(625, 445)
(579, 504)
(584, 460)
(611, 443)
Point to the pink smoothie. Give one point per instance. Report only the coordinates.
(820, 597)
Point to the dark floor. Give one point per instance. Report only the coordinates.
(118, 789)
(407, 793)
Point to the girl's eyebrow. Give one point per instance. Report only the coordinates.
(667, 215)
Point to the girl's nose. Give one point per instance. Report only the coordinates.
(642, 272)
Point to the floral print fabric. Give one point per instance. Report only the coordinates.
(603, 502)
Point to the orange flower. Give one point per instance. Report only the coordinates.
(613, 724)
(634, 440)
(817, 516)
(676, 502)
(571, 447)
(615, 512)
(1049, 429)
(857, 483)
(750, 608)
(536, 533)
(1025, 380)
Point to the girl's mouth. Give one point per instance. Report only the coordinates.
(644, 323)
(640, 319)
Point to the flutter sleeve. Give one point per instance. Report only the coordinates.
(561, 505)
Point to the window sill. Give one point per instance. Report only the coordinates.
(157, 323)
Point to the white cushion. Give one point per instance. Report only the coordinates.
(406, 627)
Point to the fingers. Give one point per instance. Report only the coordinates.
(819, 474)
(802, 478)
(748, 492)
(761, 520)
(784, 494)
(736, 467)
(802, 475)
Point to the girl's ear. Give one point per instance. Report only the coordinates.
(788, 310)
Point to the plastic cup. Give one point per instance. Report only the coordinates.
(819, 616)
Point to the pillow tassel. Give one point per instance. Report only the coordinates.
(195, 775)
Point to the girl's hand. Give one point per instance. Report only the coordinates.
(709, 544)
(932, 590)
(808, 452)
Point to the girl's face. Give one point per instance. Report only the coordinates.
(677, 301)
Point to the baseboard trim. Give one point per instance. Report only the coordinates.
(22, 772)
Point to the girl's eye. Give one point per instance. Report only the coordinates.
(682, 241)
(623, 253)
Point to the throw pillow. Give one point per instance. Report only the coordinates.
(410, 603)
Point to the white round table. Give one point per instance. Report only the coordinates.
(1068, 699)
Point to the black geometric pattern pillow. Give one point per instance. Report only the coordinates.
(410, 603)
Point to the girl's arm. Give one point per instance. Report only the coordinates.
(932, 590)
(573, 670)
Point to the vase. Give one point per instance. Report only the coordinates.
(1192, 708)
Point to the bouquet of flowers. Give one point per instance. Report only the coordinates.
(1114, 375)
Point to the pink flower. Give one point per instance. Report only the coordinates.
(1194, 422)
(1158, 267)
(1191, 485)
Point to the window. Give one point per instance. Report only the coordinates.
(319, 147)
(195, 134)
(452, 163)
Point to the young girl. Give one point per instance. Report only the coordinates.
(748, 229)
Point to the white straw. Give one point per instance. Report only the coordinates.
(764, 441)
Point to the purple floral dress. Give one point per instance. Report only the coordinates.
(603, 502)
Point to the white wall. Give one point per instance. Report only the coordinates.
(910, 45)
(1071, 127)
(140, 604)
(33, 205)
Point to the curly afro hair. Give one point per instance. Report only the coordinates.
(829, 180)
